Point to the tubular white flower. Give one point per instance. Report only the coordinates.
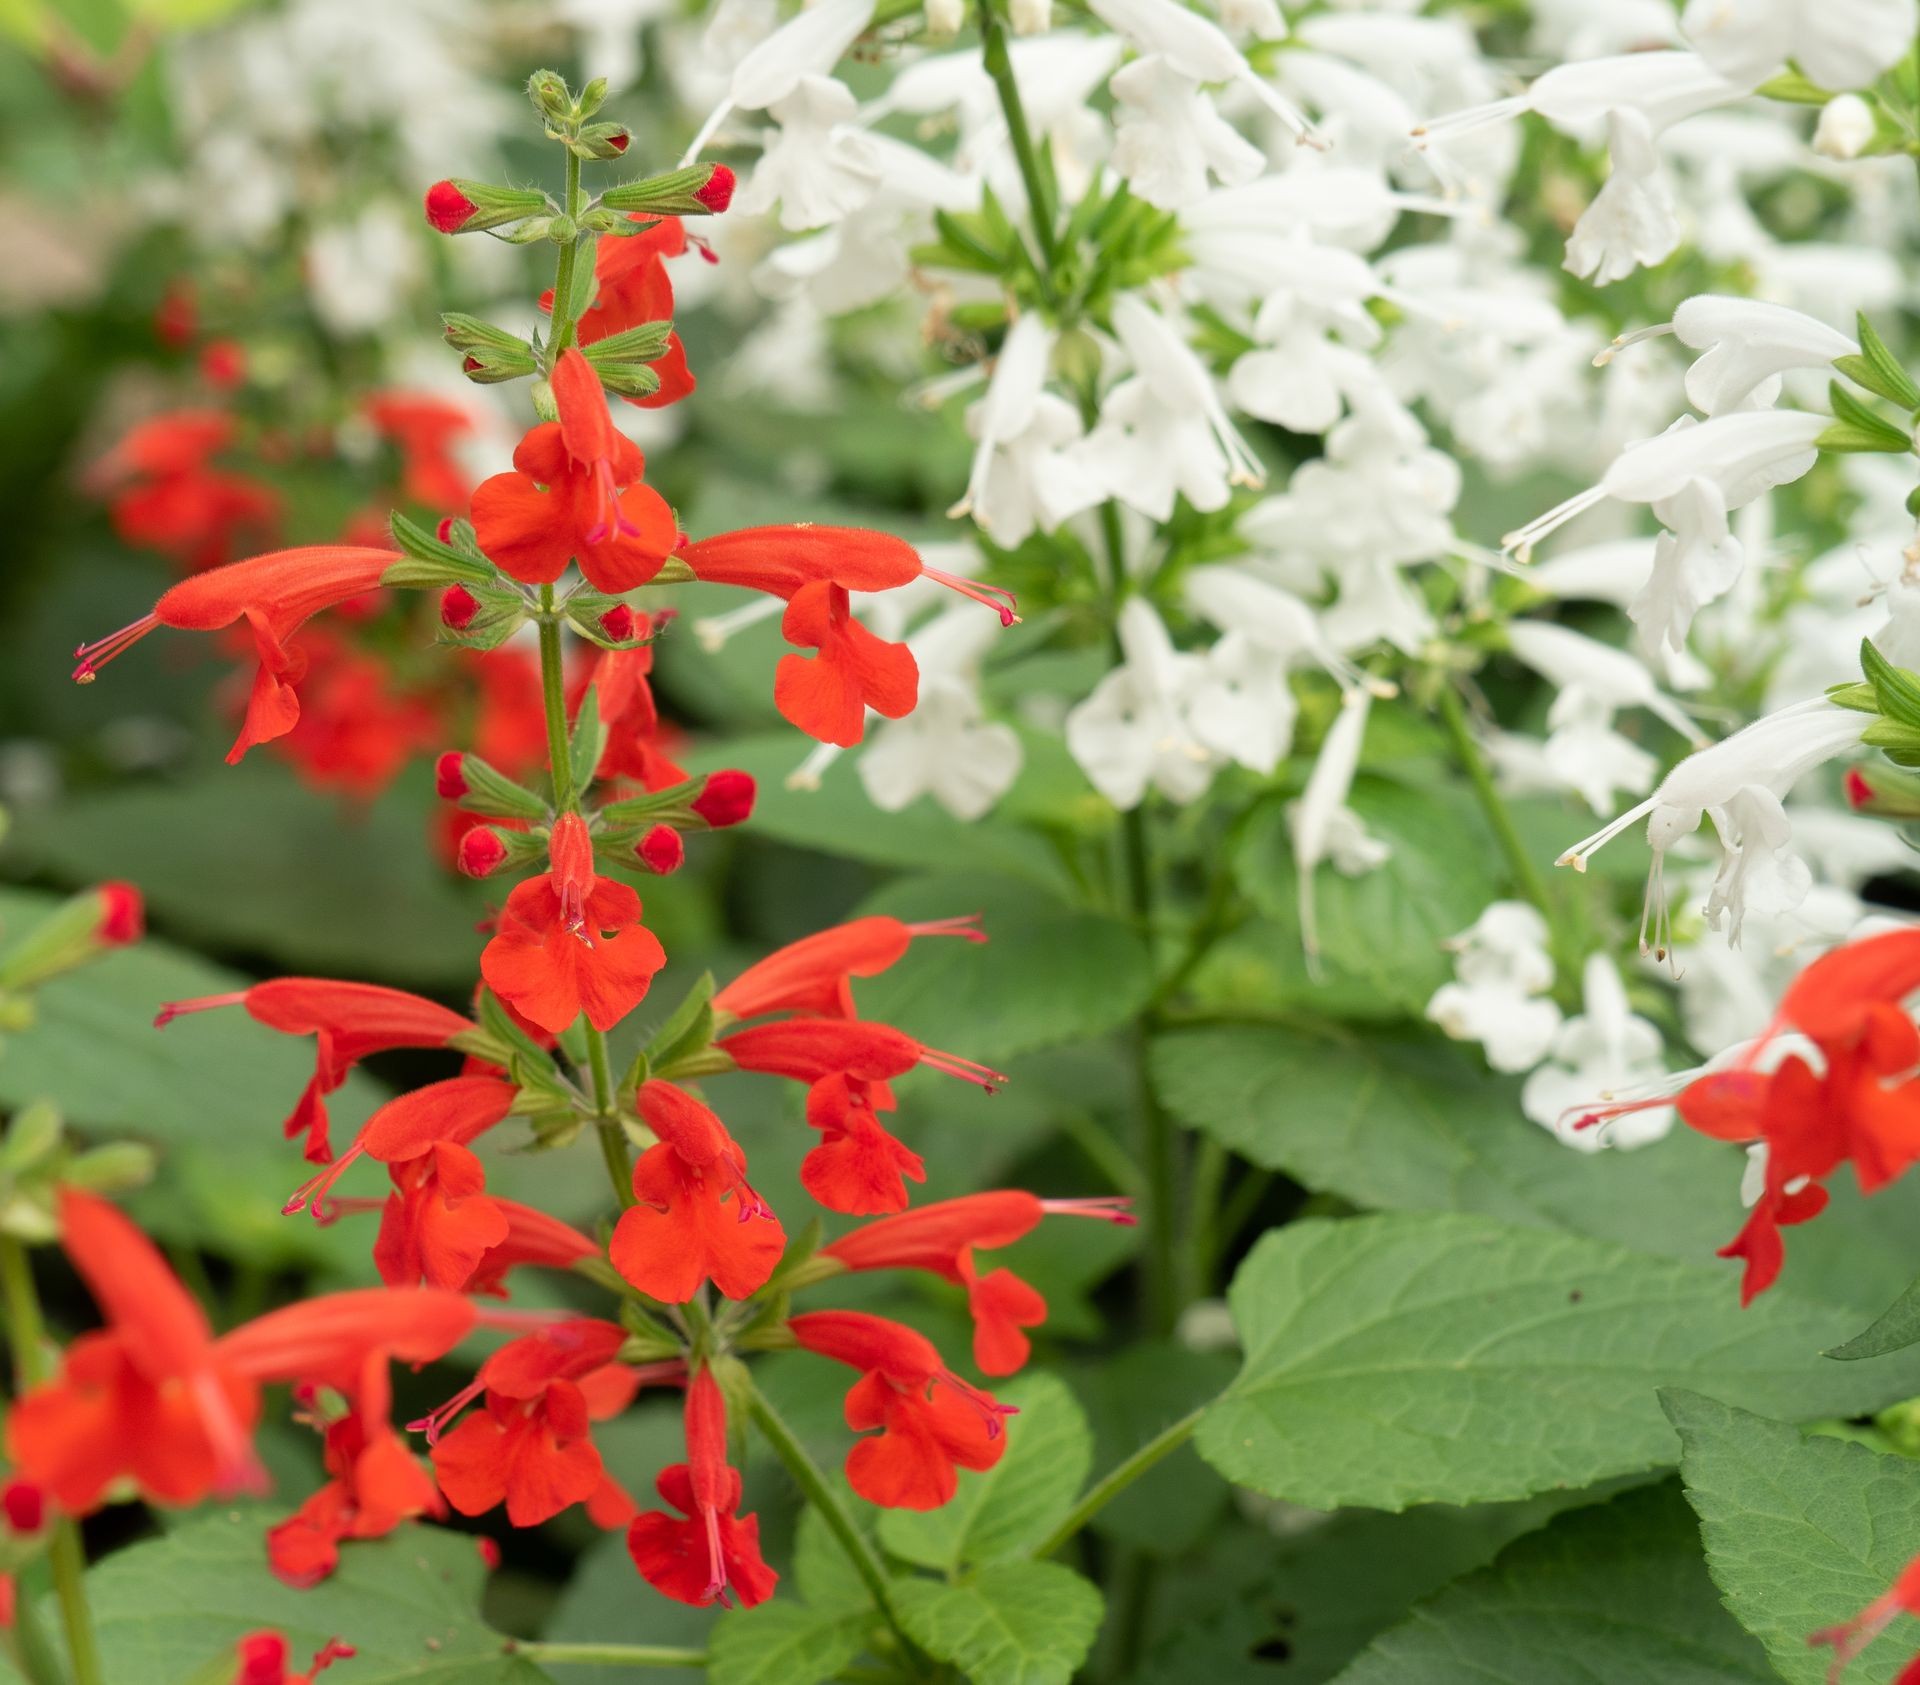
(1134, 731)
(1501, 968)
(1846, 127)
(1745, 344)
(1839, 44)
(1583, 670)
(1007, 410)
(1663, 87)
(1607, 1052)
(1168, 137)
(1323, 826)
(818, 168)
(1631, 223)
(808, 44)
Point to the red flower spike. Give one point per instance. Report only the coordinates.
(661, 850)
(534, 1455)
(932, 1423)
(713, 1554)
(550, 974)
(481, 851)
(123, 916)
(726, 798)
(448, 209)
(149, 1398)
(575, 494)
(815, 974)
(449, 776)
(165, 492)
(275, 595)
(717, 195)
(458, 606)
(349, 1021)
(698, 1219)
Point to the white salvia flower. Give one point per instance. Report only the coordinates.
(1168, 137)
(1585, 755)
(1836, 43)
(820, 168)
(1614, 571)
(946, 747)
(1196, 48)
(1587, 672)
(1737, 783)
(1242, 706)
(609, 33)
(1745, 345)
(1298, 376)
(1164, 431)
(1605, 1053)
(1282, 624)
(1031, 17)
(1323, 826)
(1258, 20)
(1501, 969)
(945, 17)
(1845, 129)
(808, 44)
(1134, 731)
(1632, 223)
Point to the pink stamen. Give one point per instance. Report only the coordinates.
(610, 518)
(716, 1591)
(964, 925)
(436, 1422)
(967, 1070)
(991, 1410)
(316, 1188)
(205, 1003)
(92, 657)
(987, 595)
(1107, 1208)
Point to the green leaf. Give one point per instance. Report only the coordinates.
(1384, 929)
(1896, 1328)
(408, 1604)
(782, 1643)
(1877, 369)
(1401, 1360)
(822, 1571)
(1614, 1591)
(1802, 1532)
(1006, 1510)
(1013, 1623)
(1048, 973)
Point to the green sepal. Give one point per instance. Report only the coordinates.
(1855, 427)
(429, 563)
(1794, 89)
(589, 740)
(599, 142)
(1896, 690)
(1855, 695)
(688, 1029)
(673, 194)
(1877, 369)
(493, 795)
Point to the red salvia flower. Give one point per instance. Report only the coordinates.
(697, 1219)
(533, 1239)
(357, 728)
(264, 1658)
(942, 1238)
(438, 1224)
(275, 595)
(551, 970)
(425, 430)
(632, 288)
(1851, 1637)
(348, 1021)
(165, 493)
(814, 976)
(813, 569)
(635, 749)
(575, 494)
(932, 1422)
(709, 1553)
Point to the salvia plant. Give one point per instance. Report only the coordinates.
(1364, 438)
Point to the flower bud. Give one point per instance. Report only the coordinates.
(661, 850)
(550, 95)
(458, 606)
(600, 141)
(468, 207)
(23, 1503)
(448, 778)
(618, 623)
(443, 529)
(223, 364)
(1031, 17)
(944, 17)
(726, 799)
(717, 195)
(482, 851)
(109, 915)
(448, 209)
(1846, 127)
(122, 915)
(697, 190)
(592, 96)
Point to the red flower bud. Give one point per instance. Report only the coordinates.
(726, 800)
(617, 623)
(122, 915)
(481, 852)
(223, 364)
(448, 209)
(264, 1659)
(621, 141)
(444, 530)
(471, 365)
(489, 1552)
(458, 606)
(24, 1504)
(449, 776)
(717, 195)
(661, 850)
(1859, 791)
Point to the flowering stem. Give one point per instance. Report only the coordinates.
(553, 687)
(1118, 1479)
(608, 1655)
(999, 66)
(27, 1336)
(563, 272)
(812, 1480)
(1526, 873)
(613, 1134)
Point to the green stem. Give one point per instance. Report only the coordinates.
(812, 1480)
(563, 271)
(553, 688)
(1236, 1213)
(1118, 1479)
(1159, 1151)
(608, 1655)
(26, 1334)
(1526, 871)
(613, 1134)
(1209, 1176)
(27, 1643)
(999, 66)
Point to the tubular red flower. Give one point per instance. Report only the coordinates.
(697, 1218)
(165, 493)
(632, 288)
(275, 594)
(123, 914)
(551, 975)
(814, 975)
(426, 431)
(264, 1658)
(709, 1553)
(438, 1224)
(349, 1021)
(533, 1239)
(575, 494)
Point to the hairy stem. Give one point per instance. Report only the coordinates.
(563, 270)
(608, 1655)
(1118, 1479)
(553, 688)
(999, 66)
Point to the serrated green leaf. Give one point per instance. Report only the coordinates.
(1402, 1360)
(1013, 1623)
(1614, 1591)
(408, 1604)
(782, 1643)
(1006, 1510)
(1802, 1532)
